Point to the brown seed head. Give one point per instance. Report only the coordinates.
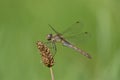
(47, 57)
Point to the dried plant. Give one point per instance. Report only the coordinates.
(46, 55)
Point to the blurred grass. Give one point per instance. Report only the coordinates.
(24, 22)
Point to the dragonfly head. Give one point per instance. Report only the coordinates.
(49, 37)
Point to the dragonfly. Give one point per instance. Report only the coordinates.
(60, 38)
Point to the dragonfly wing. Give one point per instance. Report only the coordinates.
(76, 33)
(75, 28)
(78, 38)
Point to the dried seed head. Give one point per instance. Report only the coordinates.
(47, 57)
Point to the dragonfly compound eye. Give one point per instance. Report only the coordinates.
(49, 36)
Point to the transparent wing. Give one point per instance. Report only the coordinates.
(78, 38)
(75, 28)
(76, 33)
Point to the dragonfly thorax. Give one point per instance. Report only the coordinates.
(54, 38)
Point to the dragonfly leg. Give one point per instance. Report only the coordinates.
(54, 48)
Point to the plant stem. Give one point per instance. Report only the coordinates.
(51, 72)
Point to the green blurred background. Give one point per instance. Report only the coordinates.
(23, 22)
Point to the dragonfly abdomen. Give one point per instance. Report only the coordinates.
(77, 49)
